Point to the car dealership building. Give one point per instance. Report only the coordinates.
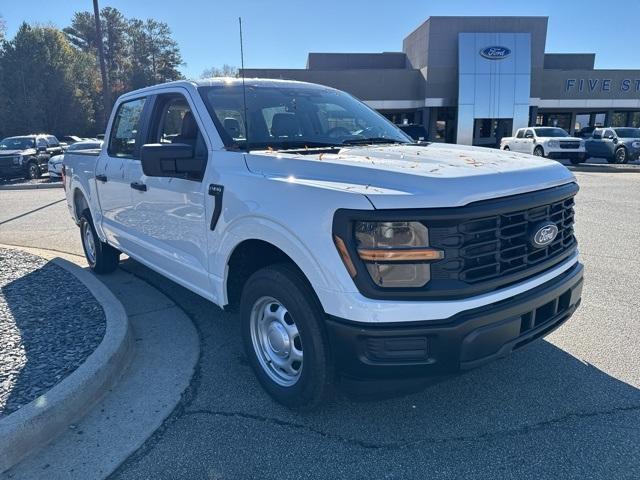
(473, 80)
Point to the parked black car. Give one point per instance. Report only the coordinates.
(615, 144)
(27, 156)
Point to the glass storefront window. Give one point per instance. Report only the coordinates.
(582, 120)
(560, 120)
(598, 119)
(635, 119)
(619, 119)
(445, 125)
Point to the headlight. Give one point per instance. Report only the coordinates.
(554, 143)
(636, 144)
(396, 254)
(17, 160)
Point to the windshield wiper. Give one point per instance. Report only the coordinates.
(371, 141)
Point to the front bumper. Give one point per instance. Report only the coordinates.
(10, 169)
(462, 342)
(559, 154)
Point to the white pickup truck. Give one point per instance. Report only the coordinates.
(348, 249)
(550, 142)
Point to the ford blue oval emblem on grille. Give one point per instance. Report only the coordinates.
(495, 53)
(544, 235)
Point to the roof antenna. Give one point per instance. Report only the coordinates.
(244, 90)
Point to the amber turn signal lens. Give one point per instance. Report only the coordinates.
(344, 254)
(400, 255)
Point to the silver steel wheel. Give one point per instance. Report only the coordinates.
(276, 341)
(538, 152)
(89, 243)
(621, 155)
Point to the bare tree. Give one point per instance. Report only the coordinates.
(224, 71)
(106, 89)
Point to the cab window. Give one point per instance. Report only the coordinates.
(124, 132)
(173, 121)
(41, 142)
(520, 134)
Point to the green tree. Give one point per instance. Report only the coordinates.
(155, 56)
(40, 84)
(224, 71)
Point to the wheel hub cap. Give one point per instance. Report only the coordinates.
(279, 340)
(276, 341)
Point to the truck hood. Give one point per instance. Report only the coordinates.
(415, 176)
(10, 153)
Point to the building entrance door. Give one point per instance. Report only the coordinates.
(487, 132)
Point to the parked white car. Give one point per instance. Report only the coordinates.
(550, 142)
(54, 165)
(347, 248)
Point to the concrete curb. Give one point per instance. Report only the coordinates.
(44, 418)
(31, 186)
(597, 168)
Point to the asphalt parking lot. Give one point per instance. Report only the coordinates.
(565, 407)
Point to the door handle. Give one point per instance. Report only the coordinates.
(216, 192)
(139, 186)
(102, 178)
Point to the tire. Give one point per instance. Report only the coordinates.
(620, 155)
(506, 148)
(33, 170)
(538, 151)
(101, 257)
(282, 321)
(577, 160)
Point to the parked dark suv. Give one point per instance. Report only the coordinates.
(27, 156)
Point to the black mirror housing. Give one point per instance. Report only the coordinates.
(170, 160)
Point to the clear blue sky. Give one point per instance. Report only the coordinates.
(280, 33)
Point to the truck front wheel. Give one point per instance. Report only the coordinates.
(101, 257)
(538, 152)
(33, 170)
(284, 336)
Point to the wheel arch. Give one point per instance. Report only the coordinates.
(245, 249)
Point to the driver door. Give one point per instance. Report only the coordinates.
(169, 216)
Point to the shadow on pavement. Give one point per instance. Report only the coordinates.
(538, 386)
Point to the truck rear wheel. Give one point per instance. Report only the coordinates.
(284, 337)
(101, 257)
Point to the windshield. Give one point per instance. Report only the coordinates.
(551, 132)
(293, 116)
(628, 132)
(17, 143)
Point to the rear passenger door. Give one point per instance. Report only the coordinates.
(169, 214)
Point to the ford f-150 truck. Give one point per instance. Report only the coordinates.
(348, 249)
(550, 142)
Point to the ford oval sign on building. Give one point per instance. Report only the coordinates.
(495, 53)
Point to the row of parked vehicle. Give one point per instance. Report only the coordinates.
(615, 144)
(29, 156)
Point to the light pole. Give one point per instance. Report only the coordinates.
(106, 90)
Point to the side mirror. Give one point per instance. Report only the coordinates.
(170, 160)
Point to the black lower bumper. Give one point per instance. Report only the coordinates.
(567, 155)
(461, 342)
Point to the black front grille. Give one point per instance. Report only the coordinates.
(570, 145)
(487, 244)
(499, 246)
